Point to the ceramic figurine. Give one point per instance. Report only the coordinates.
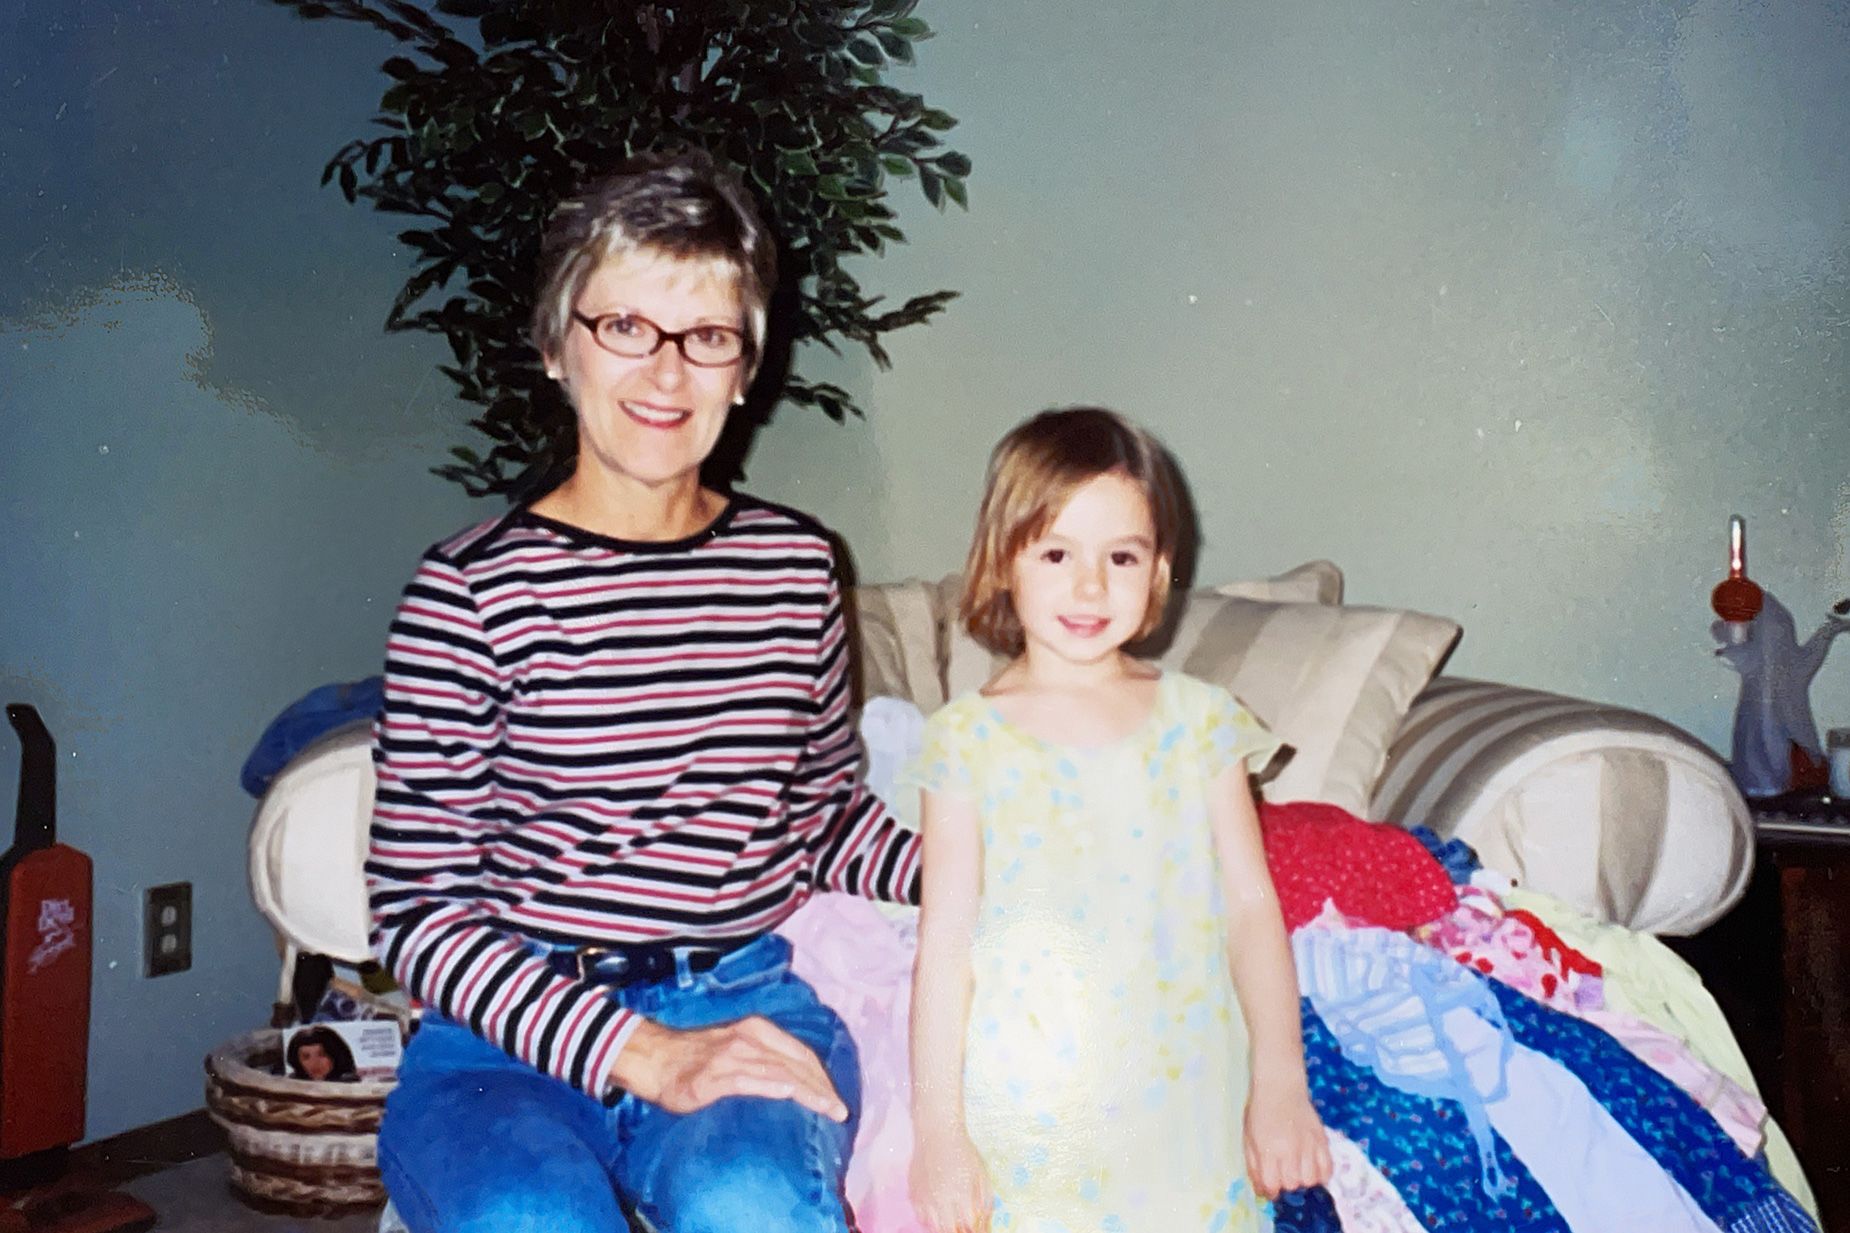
(1776, 746)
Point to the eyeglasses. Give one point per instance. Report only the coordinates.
(636, 337)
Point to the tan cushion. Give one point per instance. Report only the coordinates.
(897, 627)
(1314, 582)
(1619, 813)
(1333, 682)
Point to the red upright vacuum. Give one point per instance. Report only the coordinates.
(45, 1011)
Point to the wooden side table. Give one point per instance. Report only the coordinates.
(1806, 838)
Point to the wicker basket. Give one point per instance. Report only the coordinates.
(297, 1146)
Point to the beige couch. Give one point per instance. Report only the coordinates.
(1617, 812)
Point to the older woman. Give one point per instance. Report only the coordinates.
(615, 753)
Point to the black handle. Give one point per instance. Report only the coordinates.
(37, 823)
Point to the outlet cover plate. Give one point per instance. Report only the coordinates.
(167, 929)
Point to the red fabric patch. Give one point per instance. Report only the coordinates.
(1554, 949)
(1373, 871)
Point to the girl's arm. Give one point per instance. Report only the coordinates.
(1286, 1148)
(949, 1187)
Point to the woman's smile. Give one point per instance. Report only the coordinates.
(653, 416)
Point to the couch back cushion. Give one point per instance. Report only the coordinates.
(1333, 682)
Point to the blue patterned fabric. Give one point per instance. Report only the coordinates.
(1306, 1211)
(306, 720)
(1736, 1192)
(1383, 996)
(1423, 1147)
(1455, 854)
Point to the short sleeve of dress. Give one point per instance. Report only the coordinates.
(945, 758)
(1231, 734)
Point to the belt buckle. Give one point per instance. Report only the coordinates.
(587, 958)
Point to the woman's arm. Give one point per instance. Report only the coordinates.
(949, 1187)
(434, 746)
(1286, 1148)
(865, 850)
(435, 807)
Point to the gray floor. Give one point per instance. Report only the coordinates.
(197, 1198)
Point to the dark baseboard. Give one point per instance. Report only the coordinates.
(146, 1149)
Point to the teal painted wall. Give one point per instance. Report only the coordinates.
(213, 466)
(1503, 308)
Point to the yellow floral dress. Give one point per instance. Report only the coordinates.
(1105, 1072)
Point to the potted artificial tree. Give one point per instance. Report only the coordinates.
(497, 109)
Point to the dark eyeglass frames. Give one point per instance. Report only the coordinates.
(635, 337)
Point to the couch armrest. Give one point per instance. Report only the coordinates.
(1620, 813)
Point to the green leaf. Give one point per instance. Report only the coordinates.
(939, 121)
(933, 186)
(954, 164)
(954, 189)
(401, 68)
(865, 51)
(896, 46)
(895, 165)
(799, 163)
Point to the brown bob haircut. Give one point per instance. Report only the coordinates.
(1033, 473)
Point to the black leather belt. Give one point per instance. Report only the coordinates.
(640, 963)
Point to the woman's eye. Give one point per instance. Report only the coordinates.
(623, 327)
(710, 336)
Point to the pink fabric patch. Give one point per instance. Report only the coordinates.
(860, 965)
(1374, 872)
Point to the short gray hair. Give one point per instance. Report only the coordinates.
(681, 206)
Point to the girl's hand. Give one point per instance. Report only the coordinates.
(1286, 1147)
(950, 1186)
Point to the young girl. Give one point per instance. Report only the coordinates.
(1095, 891)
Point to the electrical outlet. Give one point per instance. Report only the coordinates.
(167, 929)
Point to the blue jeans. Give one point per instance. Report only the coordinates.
(475, 1141)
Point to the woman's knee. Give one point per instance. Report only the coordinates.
(503, 1151)
(536, 1198)
(757, 1194)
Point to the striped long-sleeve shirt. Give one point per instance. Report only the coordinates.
(587, 741)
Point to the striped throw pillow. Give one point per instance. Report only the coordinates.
(1619, 813)
(1334, 682)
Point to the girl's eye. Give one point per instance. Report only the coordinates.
(1125, 559)
(1053, 556)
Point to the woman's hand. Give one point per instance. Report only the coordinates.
(688, 1069)
(1286, 1147)
(950, 1186)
